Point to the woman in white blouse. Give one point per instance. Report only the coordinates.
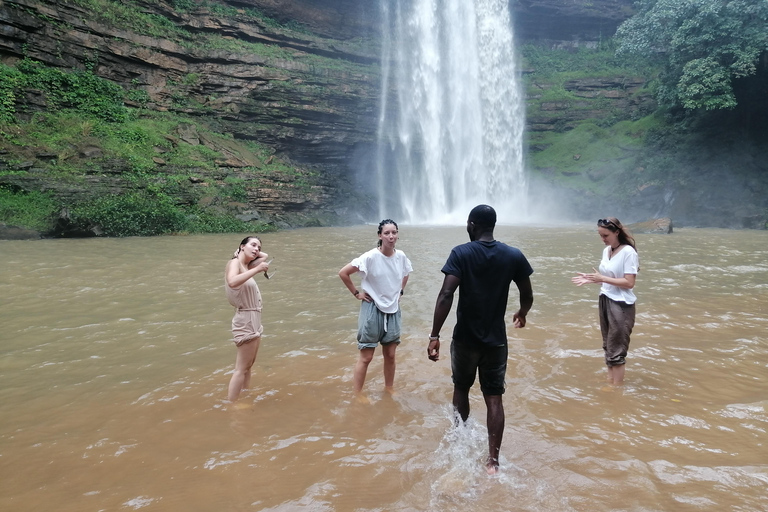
(616, 274)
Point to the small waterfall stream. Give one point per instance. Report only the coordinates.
(452, 114)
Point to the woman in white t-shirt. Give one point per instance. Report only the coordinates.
(385, 273)
(617, 274)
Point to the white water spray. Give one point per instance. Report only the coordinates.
(452, 116)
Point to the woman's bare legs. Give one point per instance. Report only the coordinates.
(389, 365)
(241, 378)
(616, 374)
(361, 368)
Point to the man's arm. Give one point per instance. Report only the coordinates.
(442, 309)
(526, 301)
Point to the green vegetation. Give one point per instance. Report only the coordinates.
(561, 65)
(604, 156)
(130, 15)
(704, 46)
(597, 154)
(145, 213)
(550, 71)
(79, 90)
(33, 210)
(86, 130)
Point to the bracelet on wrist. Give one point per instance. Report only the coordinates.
(356, 293)
(401, 291)
(434, 338)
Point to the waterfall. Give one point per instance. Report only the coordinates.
(450, 132)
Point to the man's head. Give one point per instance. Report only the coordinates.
(482, 219)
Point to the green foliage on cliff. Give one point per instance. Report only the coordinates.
(148, 213)
(703, 45)
(33, 210)
(548, 71)
(547, 63)
(132, 16)
(79, 90)
(594, 157)
(249, 13)
(86, 130)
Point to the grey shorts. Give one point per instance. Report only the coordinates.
(489, 362)
(374, 327)
(616, 322)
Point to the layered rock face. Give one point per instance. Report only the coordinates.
(251, 95)
(555, 21)
(316, 116)
(571, 23)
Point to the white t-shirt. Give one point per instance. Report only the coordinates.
(383, 277)
(623, 262)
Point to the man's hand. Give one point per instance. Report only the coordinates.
(433, 350)
(519, 320)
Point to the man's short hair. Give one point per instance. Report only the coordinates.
(483, 215)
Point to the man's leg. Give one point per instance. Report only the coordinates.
(463, 371)
(461, 402)
(495, 430)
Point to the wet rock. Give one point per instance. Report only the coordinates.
(662, 226)
(17, 233)
(66, 228)
(248, 216)
(91, 152)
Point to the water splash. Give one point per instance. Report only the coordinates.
(452, 116)
(459, 467)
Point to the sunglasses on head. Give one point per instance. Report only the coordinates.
(606, 222)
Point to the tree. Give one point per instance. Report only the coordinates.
(704, 45)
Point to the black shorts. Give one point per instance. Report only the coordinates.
(490, 363)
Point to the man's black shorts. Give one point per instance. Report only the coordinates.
(467, 360)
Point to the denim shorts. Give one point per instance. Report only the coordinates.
(374, 327)
(489, 362)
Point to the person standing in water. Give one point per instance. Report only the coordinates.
(385, 273)
(243, 293)
(616, 305)
(482, 270)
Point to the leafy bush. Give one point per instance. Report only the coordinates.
(81, 90)
(133, 214)
(201, 221)
(11, 80)
(704, 46)
(235, 189)
(184, 5)
(34, 210)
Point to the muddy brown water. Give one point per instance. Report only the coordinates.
(115, 358)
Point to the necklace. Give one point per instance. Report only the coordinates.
(614, 248)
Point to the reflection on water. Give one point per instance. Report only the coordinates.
(116, 355)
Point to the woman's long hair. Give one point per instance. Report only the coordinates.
(613, 224)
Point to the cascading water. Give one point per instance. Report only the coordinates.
(452, 116)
